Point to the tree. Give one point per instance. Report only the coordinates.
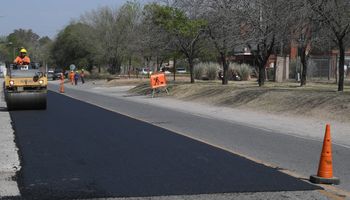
(185, 31)
(307, 32)
(154, 41)
(334, 16)
(113, 34)
(36, 46)
(132, 14)
(263, 24)
(73, 46)
(223, 29)
(5, 52)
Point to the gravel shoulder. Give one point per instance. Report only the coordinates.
(9, 160)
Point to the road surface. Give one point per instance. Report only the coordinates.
(297, 154)
(78, 150)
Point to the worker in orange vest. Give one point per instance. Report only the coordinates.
(71, 77)
(22, 59)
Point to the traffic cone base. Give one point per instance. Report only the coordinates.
(325, 168)
(319, 180)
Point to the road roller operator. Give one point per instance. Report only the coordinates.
(22, 59)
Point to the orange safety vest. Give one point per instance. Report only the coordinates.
(71, 75)
(22, 61)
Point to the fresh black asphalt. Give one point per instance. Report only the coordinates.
(77, 150)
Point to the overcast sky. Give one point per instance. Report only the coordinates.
(46, 17)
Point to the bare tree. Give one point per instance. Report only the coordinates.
(113, 33)
(304, 33)
(154, 42)
(263, 24)
(223, 29)
(334, 16)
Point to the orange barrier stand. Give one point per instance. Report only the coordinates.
(158, 81)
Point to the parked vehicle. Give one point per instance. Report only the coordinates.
(165, 70)
(181, 70)
(50, 75)
(145, 71)
(57, 73)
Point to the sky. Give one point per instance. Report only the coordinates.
(46, 17)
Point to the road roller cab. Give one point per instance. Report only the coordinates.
(25, 87)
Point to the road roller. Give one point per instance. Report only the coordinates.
(25, 87)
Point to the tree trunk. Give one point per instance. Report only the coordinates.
(341, 65)
(225, 68)
(115, 65)
(303, 59)
(261, 74)
(129, 67)
(174, 68)
(190, 62)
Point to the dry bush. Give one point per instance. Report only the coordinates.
(207, 70)
(198, 71)
(243, 71)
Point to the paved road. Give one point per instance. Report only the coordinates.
(299, 155)
(77, 150)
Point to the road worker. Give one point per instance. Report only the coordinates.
(22, 59)
(82, 75)
(76, 77)
(71, 77)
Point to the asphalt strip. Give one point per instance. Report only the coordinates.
(78, 150)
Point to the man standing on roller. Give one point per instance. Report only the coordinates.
(22, 59)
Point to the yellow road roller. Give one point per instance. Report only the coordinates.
(25, 87)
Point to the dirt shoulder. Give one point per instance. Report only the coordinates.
(318, 101)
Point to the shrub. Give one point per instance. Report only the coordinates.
(243, 70)
(206, 71)
(211, 70)
(232, 70)
(198, 71)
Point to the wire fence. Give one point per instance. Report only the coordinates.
(319, 68)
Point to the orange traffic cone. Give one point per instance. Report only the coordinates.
(62, 84)
(325, 168)
(61, 88)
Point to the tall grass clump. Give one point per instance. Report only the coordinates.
(198, 71)
(242, 70)
(211, 70)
